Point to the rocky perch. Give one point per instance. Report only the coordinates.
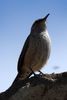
(39, 87)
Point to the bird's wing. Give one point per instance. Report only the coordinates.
(23, 52)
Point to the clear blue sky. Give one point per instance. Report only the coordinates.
(16, 18)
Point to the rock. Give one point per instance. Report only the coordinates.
(40, 87)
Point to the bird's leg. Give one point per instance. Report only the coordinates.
(32, 72)
(29, 75)
(41, 73)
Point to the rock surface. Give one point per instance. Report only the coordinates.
(40, 87)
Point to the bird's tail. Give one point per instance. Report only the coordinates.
(20, 77)
(12, 89)
(18, 82)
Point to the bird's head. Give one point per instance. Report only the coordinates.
(39, 25)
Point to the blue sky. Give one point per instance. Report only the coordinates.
(16, 18)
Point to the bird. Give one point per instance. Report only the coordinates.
(36, 50)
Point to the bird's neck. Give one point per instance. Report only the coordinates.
(39, 32)
(44, 33)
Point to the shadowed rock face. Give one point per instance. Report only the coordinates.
(43, 87)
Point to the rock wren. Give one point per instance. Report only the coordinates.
(36, 49)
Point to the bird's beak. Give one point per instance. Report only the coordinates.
(45, 18)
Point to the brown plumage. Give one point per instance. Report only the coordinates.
(36, 49)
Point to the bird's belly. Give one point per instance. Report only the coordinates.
(42, 54)
(38, 53)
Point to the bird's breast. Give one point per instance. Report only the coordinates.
(45, 47)
(38, 51)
